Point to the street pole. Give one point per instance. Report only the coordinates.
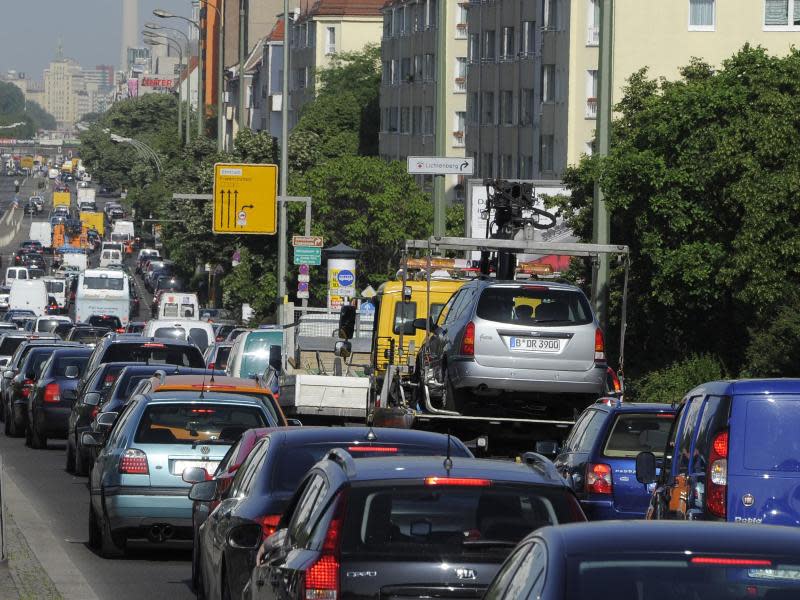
(601, 222)
(221, 82)
(282, 250)
(441, 118)
(242, 58)
(201, 63)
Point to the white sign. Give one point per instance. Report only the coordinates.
(440, 165)
(302, 295)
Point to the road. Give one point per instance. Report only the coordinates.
(50, 507)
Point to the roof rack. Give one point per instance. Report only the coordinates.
(542, 464)
(615, 401)
(162, 376)
(344, 460)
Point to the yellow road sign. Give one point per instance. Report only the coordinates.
(245, 198)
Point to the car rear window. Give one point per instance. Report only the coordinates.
(87, 336)
(437, 521)
(103, 282)
(196, 423)
(61, 365)
(634, 433)
(47, 325)
(9, 344)
(771, 440)
(196, 335)
(54, 287)
(534, 305)
(221, 360)
(155, 353)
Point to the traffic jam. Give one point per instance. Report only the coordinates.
(465, 437)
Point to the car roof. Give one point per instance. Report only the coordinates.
(748, 386)
(219, 384)
(637, 537)
(556, 285)
(632, 407)
(74, 350)
(135, 338)
(182, 396)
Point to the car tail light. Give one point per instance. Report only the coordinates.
(375, 449)
(153, 345)
(26, 387)
(120, 330)
(322, 578)
(95, 410)
(52, 392)
(458, 481)
(599, 346)
(134, 462)
(269, 524)
(468, 341)
(210, 366)
(717, 476)
(730, 562)
(598, 479)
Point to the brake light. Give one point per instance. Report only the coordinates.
(376, 449)
(458, 481)
(615, 382)
(109, 379)
(95, 410)
(153, 345)
(26, 387)
(599, 346)
(322, 578)
(730, 562)
(468, 341)
(269, 524)
(52, 393)
(717, 476)
(598, 479)
(121, 330)
(203, 411)
(210, 366)
(134, 462)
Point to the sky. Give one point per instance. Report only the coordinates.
(90, 31)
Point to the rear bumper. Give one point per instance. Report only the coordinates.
(467, 374)
(54, 421)
(129, 507)
(604, 510)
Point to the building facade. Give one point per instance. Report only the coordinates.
(409, 82)
(267, 85)
(63, 83)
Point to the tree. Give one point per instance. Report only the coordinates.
(15, 109)
(702, 183)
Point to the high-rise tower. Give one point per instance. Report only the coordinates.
(130, 24)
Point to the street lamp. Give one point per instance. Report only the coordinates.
(142, 149)
(220, 71)
(149, 35)
(163, 14)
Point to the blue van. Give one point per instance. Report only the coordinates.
(733, 455)
(598, 459)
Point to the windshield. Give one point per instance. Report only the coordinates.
(652, 577)
(103, 282)
(534, 305)
(196, 423)
(417, 521)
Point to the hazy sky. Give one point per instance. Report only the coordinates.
(90, 30)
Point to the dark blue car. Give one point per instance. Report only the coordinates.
(734, 455)
(598, 459)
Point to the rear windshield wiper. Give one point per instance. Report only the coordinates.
(488, 543)
(196, 443)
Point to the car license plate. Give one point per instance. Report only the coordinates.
(532, 344)
(179, 466)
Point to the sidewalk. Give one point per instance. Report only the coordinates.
(22, 576)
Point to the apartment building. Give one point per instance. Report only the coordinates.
(318, 33)
(267, 87)
(63, 82)
(409, 82)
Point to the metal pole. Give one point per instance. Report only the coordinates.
(242, 58)
(439, 224)
(188, 101)
(282, 250)
(201, 112)
(221, 83)
(601, 223)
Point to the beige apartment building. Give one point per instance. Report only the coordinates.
(63, 83)
(318, 33)
(409, 83)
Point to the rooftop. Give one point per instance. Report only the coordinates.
(368, 8)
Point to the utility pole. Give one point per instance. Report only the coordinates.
(284, 183)
(601, 223)
(201, 65)
(242, 58)
(439, 225)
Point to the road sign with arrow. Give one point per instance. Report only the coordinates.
(245, 198)
(440, 165)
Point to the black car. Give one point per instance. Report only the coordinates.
(645, 560)
(135, 327)
(86, 334)
(50, 401)
(127, 347)
(109, 322)
(418, 527)
(91, 392)
(266, 480)
(30, 368)
(19, 316)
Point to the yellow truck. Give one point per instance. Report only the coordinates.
(62, 199)
(93, 220)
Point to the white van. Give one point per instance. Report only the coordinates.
(178, 305)
(13, 273)
(57, 288)
(201, 333)
(28, 294)
(109, 258)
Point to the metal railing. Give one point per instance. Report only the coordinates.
(591, 108)
(593, 36)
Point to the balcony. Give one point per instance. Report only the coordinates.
(591, 108)
(593, 36)
(460, 84)
(458, 139)
(461, 31)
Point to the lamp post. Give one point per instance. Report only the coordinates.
(220, 71)
(163, 14)
(152, 35)
(154, 42)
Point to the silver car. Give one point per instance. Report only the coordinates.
(517, 347)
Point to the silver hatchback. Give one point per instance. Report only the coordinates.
(520, 343)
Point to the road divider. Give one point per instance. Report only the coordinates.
(10, 225)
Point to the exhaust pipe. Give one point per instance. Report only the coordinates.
(155, 534)
(167, 531)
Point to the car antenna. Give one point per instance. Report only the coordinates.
(448, 461)
(371, 437)
(203, 387)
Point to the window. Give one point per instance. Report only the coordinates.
(593, 29)
(473, 107)
(174, 423)
(634, 433)
(386, 72)
(546, 153)
(548, 83)
(299, 527)
(393, 119)
(387, 23)
(461, 74)
(405, 126)
(506, 109)
(405, 70)
(525, 166)
(586, 431)
(404, 315)
(701, 15)
(311, 41)
(506, 166)
(395, 72)
(429, 68)
(683, 452)
(487, 110)
(459, 123)
(781, 15)
(416, 120)
(400, 18)
(591, 94)
(528, 38)
(526, 106)
(489, 45)
(551, 15)
(397, 22)
(487, 164)
(507, 51)
(474, 48)
(427, 121)
(330, 40)
(461, 21)
(300, 78)
(406, 20)
(418, 67)
(430, 14)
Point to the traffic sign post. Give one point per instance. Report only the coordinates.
(245, 199)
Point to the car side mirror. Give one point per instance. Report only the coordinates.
(92, 399)
(8, 374)
(72, 372)
(347, 322)
(91, 440)
(106, 420)
(645, 467)
(245, 537)
(194, 475)
(422, 324)
(204, 491)
(275, 358)
(294, 422)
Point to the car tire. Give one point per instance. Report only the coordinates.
(80, 468)
(196, 583)
(452, 400)
(94, 528)
(38, 439)
(7, 422)
(112, 543)
(70, 466)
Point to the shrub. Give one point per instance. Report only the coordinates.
(671, 383)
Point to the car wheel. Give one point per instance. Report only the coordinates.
(81, 468)
(196, 565)
(452, 400)
(224, 587)
(70, 466)
(94, 528)
(38, 439)
(112, 543)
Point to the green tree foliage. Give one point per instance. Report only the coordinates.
(702, 183)
(671, 383)
(14, 109)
